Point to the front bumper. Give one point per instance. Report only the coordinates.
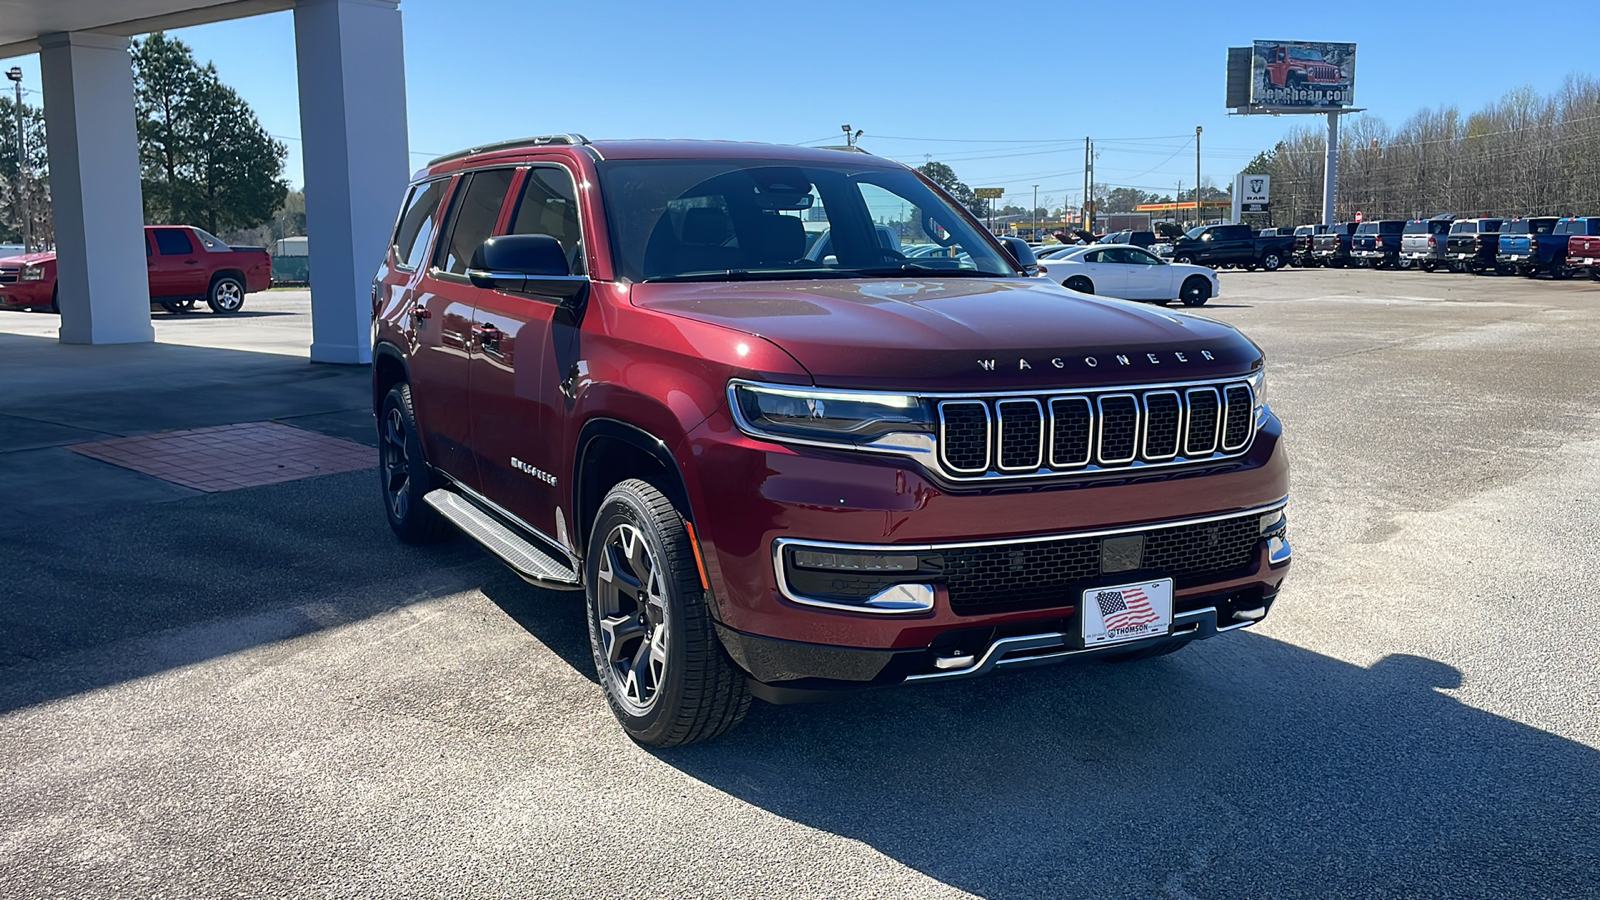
(767, 493)
(25, 294)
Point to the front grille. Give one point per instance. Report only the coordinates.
(1013, 437)
(9, 274)
(1053, 573)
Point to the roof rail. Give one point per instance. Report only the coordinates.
(507, 145)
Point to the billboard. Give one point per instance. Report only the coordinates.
(1308, 75)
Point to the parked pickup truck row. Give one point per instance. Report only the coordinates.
(186, 265)
(1532, 246)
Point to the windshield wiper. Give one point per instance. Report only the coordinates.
(747, 275)
(920, 269)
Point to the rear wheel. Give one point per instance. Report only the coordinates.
(1429, 265)
(1080, 284)
(55, 300)
(1271, 261)
(1184, 260)
(1196, 291)
(226, 295)
(661, 665)
(178, 307)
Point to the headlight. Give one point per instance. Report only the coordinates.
(1258, 388)
(840, 418)
(33, 273)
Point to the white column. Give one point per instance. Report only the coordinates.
(353, 131)
(1330, 169)
(102, 283)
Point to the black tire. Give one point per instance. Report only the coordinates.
(1080, 284)
(1195, 292)
(696, 692)
(1150, 652)
(226, 294)
(55, 300)
(1560, 272)
(179, 307)
(404, 472)
(1594, 274)
(1429, 265)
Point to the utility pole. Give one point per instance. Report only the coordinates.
(15, 74)
(1036, 213)
(1198, 219)
(1087, 165)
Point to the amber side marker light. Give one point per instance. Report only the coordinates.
(699, 562)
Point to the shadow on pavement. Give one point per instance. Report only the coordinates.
(1245, 767)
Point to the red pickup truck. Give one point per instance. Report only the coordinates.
(186, 265)
(1583, 255)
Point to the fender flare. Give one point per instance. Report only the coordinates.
(602, 428)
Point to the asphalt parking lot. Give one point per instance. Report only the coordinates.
(259, 692)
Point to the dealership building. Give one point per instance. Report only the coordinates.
(350, 61)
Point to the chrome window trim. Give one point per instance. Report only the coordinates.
(1088, 443)
(1250, 402)
(1177, 436)
(988, 438)
(1000, 435)
(1216, 432)
(1100, 431)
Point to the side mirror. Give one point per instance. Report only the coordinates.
(527, 264)
(1021, 254)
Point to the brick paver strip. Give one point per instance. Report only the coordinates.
(229, 457)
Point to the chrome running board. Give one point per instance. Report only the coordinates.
(525, 558)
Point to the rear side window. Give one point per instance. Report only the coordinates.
(473, 216)
(417, 223)
(173, 242)
(1543, 226)
(549, 205)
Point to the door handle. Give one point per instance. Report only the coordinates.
(191, 262)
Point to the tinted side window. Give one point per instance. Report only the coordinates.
(472, 217)
(416, 227)
(549, 205)
(173, 242)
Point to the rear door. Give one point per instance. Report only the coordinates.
(526, 348)
(1110, 279)
(176, 269)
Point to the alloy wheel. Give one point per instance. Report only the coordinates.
(228, 296)
(631, 603)
(396, 464)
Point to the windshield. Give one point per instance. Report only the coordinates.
(1520, 226)
(1305, 53)
(727, 220)
(1193, 234)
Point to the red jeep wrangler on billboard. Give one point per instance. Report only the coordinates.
(1289, 65)
(794, 423)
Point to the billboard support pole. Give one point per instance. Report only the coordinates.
(1330, 168)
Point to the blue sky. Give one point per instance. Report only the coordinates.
(958, 81)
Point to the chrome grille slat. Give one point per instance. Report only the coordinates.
(1013, 435)
(1020, 435)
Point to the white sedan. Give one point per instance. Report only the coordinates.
(1130, 273)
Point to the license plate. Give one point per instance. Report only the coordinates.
(1126, 612)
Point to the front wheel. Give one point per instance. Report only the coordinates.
(407, 478)
(178, 307)
(1184, 260)
(664, 672)
(1428, 266)
(1080, 284)
(226, 295)
(1196, 291)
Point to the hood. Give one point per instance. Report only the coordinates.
(30, 259)
(969, 334)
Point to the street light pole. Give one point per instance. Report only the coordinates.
(1198, 220)
(15, 74)
(1036, 213)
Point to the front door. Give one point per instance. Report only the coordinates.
(524, 345)
(175, 266)
(1109, 279)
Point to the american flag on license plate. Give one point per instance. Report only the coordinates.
(1125, 608)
